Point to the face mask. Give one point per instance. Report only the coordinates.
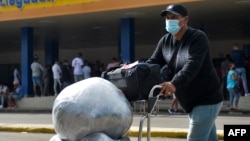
(172, 26)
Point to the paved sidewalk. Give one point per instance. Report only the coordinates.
(15, 136)
(162, 125)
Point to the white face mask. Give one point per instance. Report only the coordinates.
(172, 26)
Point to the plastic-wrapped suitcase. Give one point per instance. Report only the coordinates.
(152, 101)
(138, 81)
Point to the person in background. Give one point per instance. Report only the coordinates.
(16, 74)
(37, 70)
(77, 64)
(46, 80)
(232, 84)
(86, 70)
(194, 80)
(114, 63)
(57, 75)
(66, 72)
(16, 95)
(174, 106)
(4, 90)
(238, 58)
(224, 70)
(98, 68)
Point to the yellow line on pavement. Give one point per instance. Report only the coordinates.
(27, 129)
(133, 132)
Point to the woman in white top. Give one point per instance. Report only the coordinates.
(57, 72)
(77, 64)
(16, 74)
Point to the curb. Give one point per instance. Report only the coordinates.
(27, 129)
(167, 132)
(132, 132)
(24, 110)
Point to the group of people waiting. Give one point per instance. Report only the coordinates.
(9, 98)
(233, 75)
(62, 74)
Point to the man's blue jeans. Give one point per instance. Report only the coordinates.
(242, 73)
(202, 123)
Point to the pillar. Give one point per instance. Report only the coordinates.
(26, 60)
(127, 47)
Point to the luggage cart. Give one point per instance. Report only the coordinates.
(152, 100)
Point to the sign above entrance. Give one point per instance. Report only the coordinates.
(20, 3)
(14, 5)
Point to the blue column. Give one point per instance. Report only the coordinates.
(127, 47)
(26, 59)
(51, 51)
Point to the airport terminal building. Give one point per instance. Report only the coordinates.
(103, 29)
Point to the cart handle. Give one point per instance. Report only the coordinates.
(151, 93)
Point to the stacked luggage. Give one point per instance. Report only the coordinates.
(138, 81)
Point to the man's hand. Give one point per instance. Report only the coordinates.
(167, 89)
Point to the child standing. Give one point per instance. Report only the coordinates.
(232, 84)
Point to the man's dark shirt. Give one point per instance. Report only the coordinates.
(238, 58)
(196, 80)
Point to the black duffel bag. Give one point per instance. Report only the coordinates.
(135, 80)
